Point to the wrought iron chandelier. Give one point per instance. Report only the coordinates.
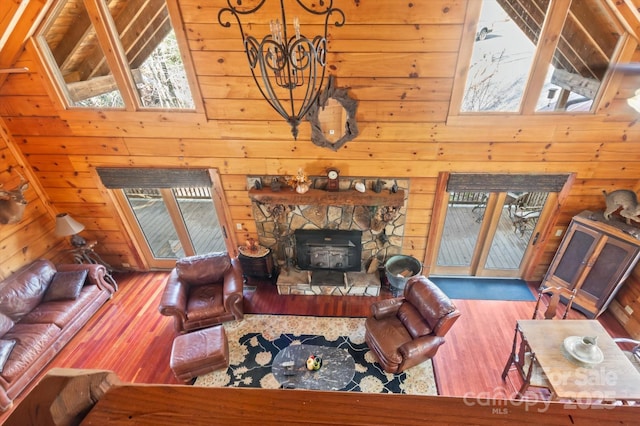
(289, 71)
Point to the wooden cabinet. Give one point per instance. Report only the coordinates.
(595, 257)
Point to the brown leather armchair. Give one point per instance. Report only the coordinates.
(406, 331)
(203, 291)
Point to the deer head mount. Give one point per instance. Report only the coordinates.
(13, 203)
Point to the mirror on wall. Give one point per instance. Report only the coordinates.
(333, 117)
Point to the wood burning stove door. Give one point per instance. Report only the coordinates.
(329, 249)
(329, 257)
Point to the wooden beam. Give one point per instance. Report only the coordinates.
(325, 198)
(587, 87)
(628, 15)
(14, 70)
(81, 90)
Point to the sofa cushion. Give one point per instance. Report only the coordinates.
(205, 302)
(6, 346)
(387, 336)
(203, 269)
(5, 323)
(413, 321)
(24, 289)
(62, 312)
(31, 341)
(65, 285)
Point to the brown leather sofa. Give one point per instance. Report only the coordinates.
(203, 291)
(406, 331)
(42, 307)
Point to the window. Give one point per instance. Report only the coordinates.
(144, 70)
(172, 213)
(540, 56)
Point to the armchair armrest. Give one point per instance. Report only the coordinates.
(386, 308)
(174, 300)
(444, 324)
(233, 287)
(96, 274)
(419, 350)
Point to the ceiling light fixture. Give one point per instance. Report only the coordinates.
(289, 71)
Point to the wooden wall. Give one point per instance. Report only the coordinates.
(399, 61)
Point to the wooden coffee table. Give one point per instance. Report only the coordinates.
(338, 368)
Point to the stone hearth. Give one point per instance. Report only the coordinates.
(296, 281)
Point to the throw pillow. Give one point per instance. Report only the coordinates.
(5, 324)
(6, 346)
(65, 285)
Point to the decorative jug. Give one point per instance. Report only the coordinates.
(587, 347)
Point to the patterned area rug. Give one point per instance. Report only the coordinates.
(256, 340)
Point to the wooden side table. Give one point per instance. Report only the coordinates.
(258, 264)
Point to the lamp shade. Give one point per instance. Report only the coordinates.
(66, 225)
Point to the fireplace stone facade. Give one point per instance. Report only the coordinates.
(382, 226)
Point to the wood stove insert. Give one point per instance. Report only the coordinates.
(329, 249)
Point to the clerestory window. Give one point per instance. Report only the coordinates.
(540, 56)
(144, 69)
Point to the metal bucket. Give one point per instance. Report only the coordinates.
(399, 269)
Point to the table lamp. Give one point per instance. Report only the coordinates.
(66, 225)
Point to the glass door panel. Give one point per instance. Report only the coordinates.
(464, 216)
(175, 223)
(488, 233)
(200, 219)
(155, 222)
(516, 223)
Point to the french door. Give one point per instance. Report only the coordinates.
(170, 220)
(175, 222)
(488, 234)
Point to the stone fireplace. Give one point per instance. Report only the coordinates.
(373, 225)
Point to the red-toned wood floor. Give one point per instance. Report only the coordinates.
(130, 337)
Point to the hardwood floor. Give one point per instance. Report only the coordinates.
(130, 337)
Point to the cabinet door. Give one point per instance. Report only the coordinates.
(571, 260)
(608, 269)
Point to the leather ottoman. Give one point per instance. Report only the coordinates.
(199, 352)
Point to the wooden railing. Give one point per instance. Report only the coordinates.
(92, 397)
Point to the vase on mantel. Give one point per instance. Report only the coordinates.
(302, 187)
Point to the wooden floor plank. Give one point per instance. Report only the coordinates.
(130, 337)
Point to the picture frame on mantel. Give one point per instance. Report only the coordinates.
(333, 117)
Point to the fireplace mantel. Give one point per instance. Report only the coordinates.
(320, 197)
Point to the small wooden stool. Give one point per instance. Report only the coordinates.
(199, 352)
